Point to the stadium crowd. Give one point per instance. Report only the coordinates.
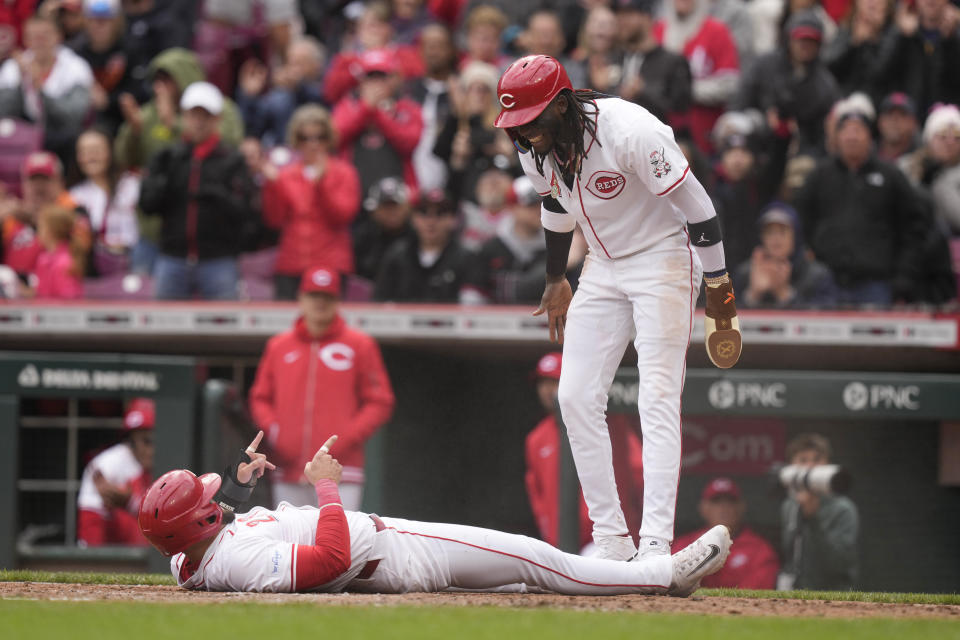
(219, 149)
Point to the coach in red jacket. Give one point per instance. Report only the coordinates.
(319, 379)
(543, 463)
(312, 201)
(753, 563)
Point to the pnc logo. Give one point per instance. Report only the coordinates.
(606, 184)
(508, 100)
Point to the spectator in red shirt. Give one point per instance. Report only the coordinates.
(114, 482)
(42, 186)
(753, 563)
(543, 463)
(708, 46)
(312, 201)
(316, 380)
(379, 130)
(374, 32)
(13, 13)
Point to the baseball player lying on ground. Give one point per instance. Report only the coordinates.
(328, 549)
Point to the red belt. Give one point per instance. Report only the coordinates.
(372, 565)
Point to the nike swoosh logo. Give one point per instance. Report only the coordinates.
(714, 552)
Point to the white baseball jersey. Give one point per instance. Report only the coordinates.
(618, 198)
(118, 465)
(257, 553)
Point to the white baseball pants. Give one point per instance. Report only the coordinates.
(426, 556)
(648, 297)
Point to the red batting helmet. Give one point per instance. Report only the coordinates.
(527, 87)
(177, 510)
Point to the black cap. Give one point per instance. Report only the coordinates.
(898, 100)
(387, 190)
(437, 199)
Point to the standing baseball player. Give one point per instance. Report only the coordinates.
(614, 169)
(328, 549)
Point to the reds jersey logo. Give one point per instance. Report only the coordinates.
(659, 163)
(606, 184)
(337, 356)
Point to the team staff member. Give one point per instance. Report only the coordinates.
(319, 378)
(115, 481)
(543, 463)
(753, 562)
(330, 549)
(614, 169)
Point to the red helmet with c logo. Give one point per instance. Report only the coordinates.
(527, 87)
(177, 510)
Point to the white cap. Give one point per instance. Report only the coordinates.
(944, 118)
(203, 95)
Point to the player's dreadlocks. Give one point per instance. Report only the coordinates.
(576, 120)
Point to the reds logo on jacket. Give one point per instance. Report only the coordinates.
(308, 389)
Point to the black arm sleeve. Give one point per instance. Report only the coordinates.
(558, 250)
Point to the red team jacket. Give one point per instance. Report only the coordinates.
(401, 126)
(313, 217)
(710, 51)
(542, 478)
(307, 390)
(753, 564)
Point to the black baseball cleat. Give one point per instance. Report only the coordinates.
(703, 557)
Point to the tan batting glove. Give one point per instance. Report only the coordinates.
(721, 327)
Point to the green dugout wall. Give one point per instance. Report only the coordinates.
(170, 381)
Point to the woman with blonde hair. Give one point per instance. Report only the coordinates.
(60, 266)
(312, 201)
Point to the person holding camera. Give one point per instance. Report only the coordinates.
(819, 529)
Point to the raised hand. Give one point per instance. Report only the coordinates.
(258, 462)
(323, 466)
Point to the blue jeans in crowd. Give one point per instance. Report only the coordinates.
(144, 257)
(179, 278)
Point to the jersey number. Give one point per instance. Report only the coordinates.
(253, 523)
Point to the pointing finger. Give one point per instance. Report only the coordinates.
(256, 442)
(329, 443)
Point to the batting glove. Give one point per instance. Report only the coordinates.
(722, 329)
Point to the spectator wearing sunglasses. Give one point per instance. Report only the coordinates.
(312, 201)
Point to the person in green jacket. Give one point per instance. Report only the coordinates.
(155, 125)
(819, 531)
